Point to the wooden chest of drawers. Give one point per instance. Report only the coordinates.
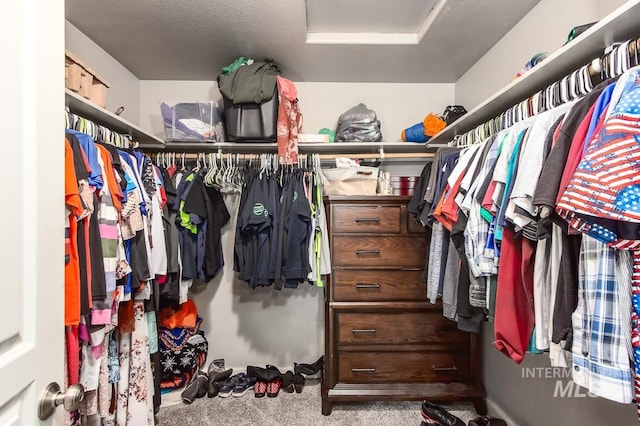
(383, 340)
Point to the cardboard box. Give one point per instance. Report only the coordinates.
(79, 78)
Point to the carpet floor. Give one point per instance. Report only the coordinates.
(295, 410)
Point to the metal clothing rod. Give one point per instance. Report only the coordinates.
(321, 156)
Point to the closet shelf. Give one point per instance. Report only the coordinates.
(305, 148)
(620, 25)
(91, 111)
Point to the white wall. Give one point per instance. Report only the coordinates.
(258, 326)
(544, 29)
(398, 105)
(124, 86)
(266, 326)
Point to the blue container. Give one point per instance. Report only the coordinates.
(415, 133)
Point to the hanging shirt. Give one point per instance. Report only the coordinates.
(74, 208)
(89, 148)
(531, 159)
(602, 198)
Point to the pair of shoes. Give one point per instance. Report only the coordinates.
(309, 369)
(292, 382)
(196, 389)
(243, 385)
(435, 413)
(217, 374)
(263, 374)
(268, 381)
(237, 385)
(487, 421)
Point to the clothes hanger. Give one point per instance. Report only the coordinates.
(584, 83)
(610, 61)
(196, 169)
(572, 83)
(236, 178)
(624, 63)
(224, 183)
(213, 165)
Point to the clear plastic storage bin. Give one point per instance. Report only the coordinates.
(192, 121)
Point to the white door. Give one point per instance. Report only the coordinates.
(32, 211)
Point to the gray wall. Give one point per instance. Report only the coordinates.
(544, 29)
(265, 326)
(124, 87)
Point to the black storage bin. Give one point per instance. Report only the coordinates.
(251, 122)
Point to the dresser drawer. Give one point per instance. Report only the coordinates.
(378, 219)
(378, 251)
(402, 367)
(366, 285)
(368, 328)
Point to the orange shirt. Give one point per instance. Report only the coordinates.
(72, 263)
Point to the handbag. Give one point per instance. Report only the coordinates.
(452, 113)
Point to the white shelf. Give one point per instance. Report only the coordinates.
(621, 25)
(257, 147)
(91, 111)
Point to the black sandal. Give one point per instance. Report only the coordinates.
(309, 369)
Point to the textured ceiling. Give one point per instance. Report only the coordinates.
(193, 40)
(385, 17)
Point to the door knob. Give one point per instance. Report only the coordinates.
(52, 397)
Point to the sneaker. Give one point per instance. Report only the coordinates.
(243, 385)
(226, 387)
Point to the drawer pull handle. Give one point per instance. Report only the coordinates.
(364, 285)
(363, 370)
(444, 369)
(359, 252)
(363, 330)
(367, 219)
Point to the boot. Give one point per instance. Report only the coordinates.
(196, 389)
